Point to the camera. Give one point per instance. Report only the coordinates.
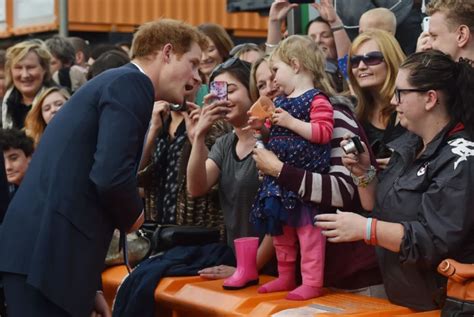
(181, 107)
(353, 146)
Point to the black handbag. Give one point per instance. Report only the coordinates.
(165, 237)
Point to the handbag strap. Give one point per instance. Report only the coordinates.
(124, 246)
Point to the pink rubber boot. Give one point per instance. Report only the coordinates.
(313, 250)
(246, 273)
(285, 248)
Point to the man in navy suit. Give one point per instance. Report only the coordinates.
(81, 182)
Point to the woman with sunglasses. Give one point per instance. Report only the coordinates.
(374, 58)
(229, 163)
(422, 203)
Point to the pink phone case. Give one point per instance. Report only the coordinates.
(219, 88)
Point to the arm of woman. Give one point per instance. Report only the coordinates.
(445, 223)
(348, 226)
(334, 189)
(278, 12)
(329, 14)
(318, 130)
(160, 111)
(202, 173)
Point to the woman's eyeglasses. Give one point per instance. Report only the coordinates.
(231, 62)
(399, 91)
(369, 59)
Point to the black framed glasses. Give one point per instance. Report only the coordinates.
(369, 59)
(237, 50)
(230, 63)
(399, 91)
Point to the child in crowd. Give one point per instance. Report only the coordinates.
(300, 135)
(17, 151)
(44, 109)
(378, 19)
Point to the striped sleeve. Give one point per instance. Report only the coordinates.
(334, 189)
(321, 118)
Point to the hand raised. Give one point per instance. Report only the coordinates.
(279, 10)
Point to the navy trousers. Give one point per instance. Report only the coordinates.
(23, 300)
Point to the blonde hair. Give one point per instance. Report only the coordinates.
(34, 122)
(17, 52)
(310, 57)
(393, 57)
(153, 36)
(381, 18)
(458, 12)
(254, 93)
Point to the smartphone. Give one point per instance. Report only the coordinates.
(219, 89)
(380, 150)
(301, 1)
(426, 24)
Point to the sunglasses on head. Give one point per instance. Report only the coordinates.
(369, 59)
(230, 63)
(242, 48)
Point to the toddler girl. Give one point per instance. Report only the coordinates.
(301, 130)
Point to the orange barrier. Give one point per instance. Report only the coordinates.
(195, 296)
(111, 279)
(432, 313)
(207, 298)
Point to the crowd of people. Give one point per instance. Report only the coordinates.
(364, 156)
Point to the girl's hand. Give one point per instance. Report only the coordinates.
(161, 110)
(267, 162)
(254, 123)
(342, 226)
(217, 272)
(191, 117)
(212, 111)
(279, 10)
(326, 10)
(282, 118)
(356, 163)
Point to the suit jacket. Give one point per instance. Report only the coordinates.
(80, 185)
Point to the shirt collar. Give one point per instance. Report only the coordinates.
(139, 68)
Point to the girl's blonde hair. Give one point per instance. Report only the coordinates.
(17, 52)
(310, 57)
(393, 57)
(34, 122)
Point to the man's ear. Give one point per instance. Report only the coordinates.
(167, 51)
(463, 35)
